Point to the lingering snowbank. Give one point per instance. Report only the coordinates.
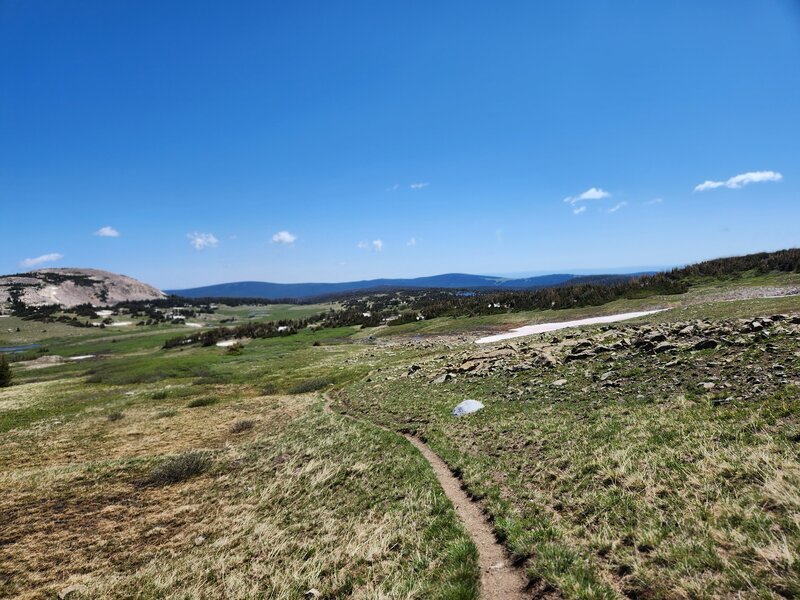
(545, 327)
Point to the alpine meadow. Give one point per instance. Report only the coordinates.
(413, 301)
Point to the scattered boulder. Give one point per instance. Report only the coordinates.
(466, 407)
(444, 377)
(705, 344)
(559, 382)
(664, 347)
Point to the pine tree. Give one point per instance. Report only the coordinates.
(5, 372)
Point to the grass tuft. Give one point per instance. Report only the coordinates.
(242, 425)
(179, 468)
(205, 401)
(310, 385)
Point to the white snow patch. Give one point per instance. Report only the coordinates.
(82, 357)
(195, 325)
(120, 324)
(545, 327)
(466, 407)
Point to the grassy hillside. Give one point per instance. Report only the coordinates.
(656, 458)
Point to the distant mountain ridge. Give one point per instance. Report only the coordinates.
(271, 291)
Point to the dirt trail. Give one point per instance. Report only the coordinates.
(500, 578)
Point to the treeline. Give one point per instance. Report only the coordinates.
(785, 261)
(269, 329)
(396, 307)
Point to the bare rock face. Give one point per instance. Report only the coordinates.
(71, 287)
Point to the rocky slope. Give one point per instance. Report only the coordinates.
(71, 287)
(726, 360)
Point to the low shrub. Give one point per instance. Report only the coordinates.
(179, 468)
(310, 385)
(206, 401)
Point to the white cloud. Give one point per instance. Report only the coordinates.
(578, 210)
(419, 186)
(374, 245)
(411, 242)
(739, 181)
(44, 258)
(284, 237)
(590, 194)
(107, 231)
(617, 206)
(653, 201)
(201, 241)
(393, 188)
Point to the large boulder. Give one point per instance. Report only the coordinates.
(466, 407)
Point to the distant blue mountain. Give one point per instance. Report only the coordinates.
(272, 291)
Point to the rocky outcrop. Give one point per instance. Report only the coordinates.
(71, 287)
(613, 342)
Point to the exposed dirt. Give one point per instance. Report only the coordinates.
(500, 579)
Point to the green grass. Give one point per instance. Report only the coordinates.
(648, 487)
(257, 496)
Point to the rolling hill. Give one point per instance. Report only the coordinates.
(267, 290)
(72, 287)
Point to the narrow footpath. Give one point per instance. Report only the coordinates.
(500, 578)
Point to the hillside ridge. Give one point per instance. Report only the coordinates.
(70, 287)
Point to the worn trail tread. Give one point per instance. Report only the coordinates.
(500, 578)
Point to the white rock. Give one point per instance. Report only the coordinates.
(466, 407)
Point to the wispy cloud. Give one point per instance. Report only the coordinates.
(739, 181)
(374, 245)
(617, 206)
(201, 241)
(393, 188)
(284, 237)
(419, 186)
(107, 231)
(590, 194)
(411, 242)
(653, 201)
(578, 210)
(40, 260)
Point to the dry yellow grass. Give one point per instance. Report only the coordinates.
(302, 499)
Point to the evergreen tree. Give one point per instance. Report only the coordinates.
(5, 372)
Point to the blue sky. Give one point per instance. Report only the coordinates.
(331, 141)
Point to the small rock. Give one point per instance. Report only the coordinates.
(705, 344)
(559, 382)
(443, 378)
(313, 593)
(198, 541)
(664, 347)
(606, 375)
(708, 385)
